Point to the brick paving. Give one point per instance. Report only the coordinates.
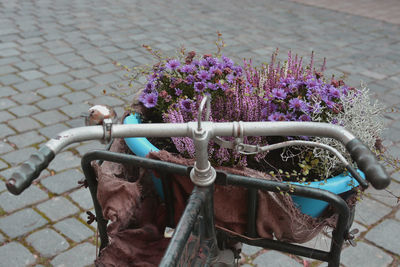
(56, 60)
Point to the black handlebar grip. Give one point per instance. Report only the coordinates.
(29, 170)
(374, 172)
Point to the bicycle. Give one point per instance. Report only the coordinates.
(197, 221)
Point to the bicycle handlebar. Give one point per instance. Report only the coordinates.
(30, 170)
(364, 158)
(368, 164)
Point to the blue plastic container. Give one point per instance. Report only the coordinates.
(339, 184)
(140, 146)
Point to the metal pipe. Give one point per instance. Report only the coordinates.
(213, 129)
(184, 228)
(252, 199)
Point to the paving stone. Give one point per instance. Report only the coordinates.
(53, 91)
(51, 103)
(50, 117)
(24, 110)
(75, 110)
(54, 69)
(65, 160)
(53, 130)
(7, 70)
(388, 196)
(18, 156)
(383, 235)
(89, 146)
(30, 85)
(61, 50)
(58, 78)
(31, 74)
(7, 91)
(96, 59)
(5, 131)
(274, 258)
(105, 78)
(397, 216)
(74, 229)
(4, 147)
(62, 182)
(77, 97)
(16, 255)
(26, 139)
(7, 45)
(83, 198)
(9, 52)
(26, 65)
(2, 186)
(6, 103)
(3, 165)
(47, 242)
(57, 208)
(109, 100)
(77, 122)
(24, 124)
(6, 116)
(77, 64)
(26, 98)
(364, 255)
(80, 84)
(31, 195)
(250, 250)
(369, 211)
(21, 222)
(106, 68)
(79, 256)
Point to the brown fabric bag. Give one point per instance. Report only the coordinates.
(138, 217)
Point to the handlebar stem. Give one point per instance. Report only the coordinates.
(202, 174)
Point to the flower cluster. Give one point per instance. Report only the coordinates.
(179, 83)
(273, 92)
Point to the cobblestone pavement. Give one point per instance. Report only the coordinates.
(56, 59)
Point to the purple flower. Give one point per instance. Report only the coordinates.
(278, 93)
(305, 117)
(329, 104)
(230, 78)
(212, 61)
(178, 91)
(333, 92)
(186, 105)
(150, 100)
(190, 79)
(297, 104)
(228, 63)
(150, 87)
(277, 116)
(173, 64)
(204, 63)
(152, 77)
(212, 86)
(204, 75)
(187, 68)
(199, 86)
